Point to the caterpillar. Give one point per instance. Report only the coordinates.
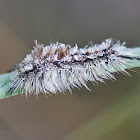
(58, 67)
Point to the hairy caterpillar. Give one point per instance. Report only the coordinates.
(59, 67)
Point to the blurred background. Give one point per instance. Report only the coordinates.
(109, 111)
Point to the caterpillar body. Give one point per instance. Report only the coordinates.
(59, 67)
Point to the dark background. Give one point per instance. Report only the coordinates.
(110, 111)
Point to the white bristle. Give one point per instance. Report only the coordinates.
(59, 67)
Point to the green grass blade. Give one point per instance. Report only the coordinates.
(5, 79)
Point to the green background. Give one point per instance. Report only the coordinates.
(109, 111)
